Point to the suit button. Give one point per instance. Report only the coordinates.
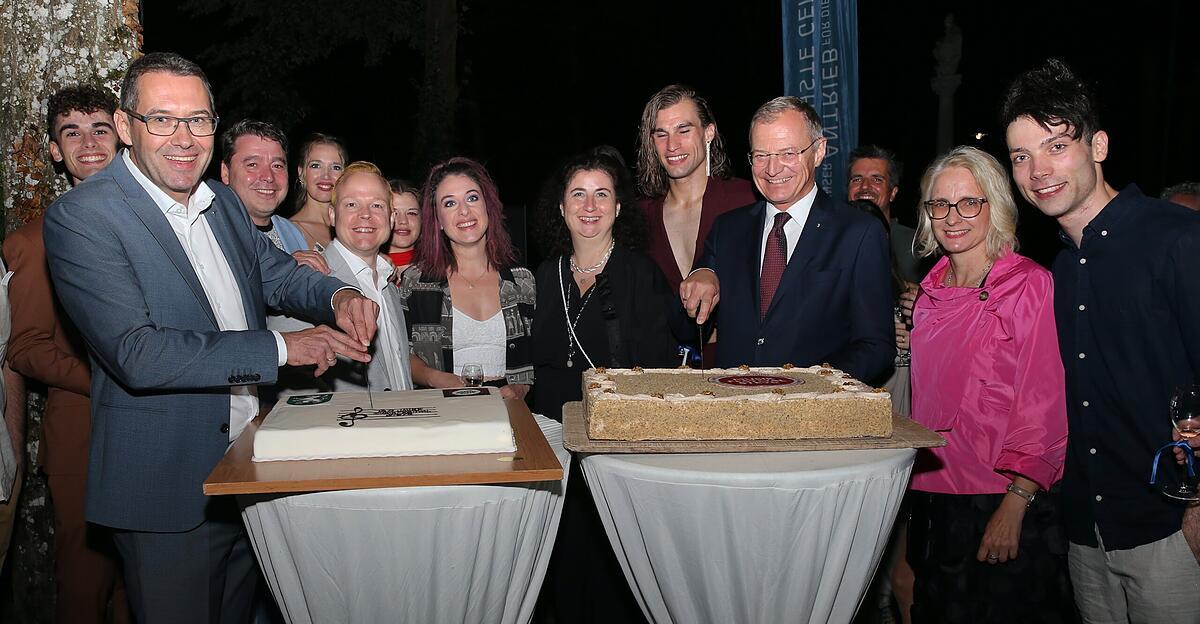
(512, 346)
(760, 341)
(224, 427)
(255, 377)
(232, 379)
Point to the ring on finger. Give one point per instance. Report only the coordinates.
(992, 557)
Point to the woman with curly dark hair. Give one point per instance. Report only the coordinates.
(601, 302)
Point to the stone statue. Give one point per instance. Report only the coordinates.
(948, 50)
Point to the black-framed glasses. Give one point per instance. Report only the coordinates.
(789, 158)
(165, 125)
(967, 207)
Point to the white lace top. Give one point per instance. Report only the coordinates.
(480, 342)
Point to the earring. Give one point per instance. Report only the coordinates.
(708, 158)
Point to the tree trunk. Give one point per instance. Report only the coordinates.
(46, 45)
(438, 104)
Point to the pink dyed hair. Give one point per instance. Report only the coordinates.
(434, 255)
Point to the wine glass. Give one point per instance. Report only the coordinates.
(472, 375)
(1185, 417)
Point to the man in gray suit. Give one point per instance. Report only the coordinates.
(167, 280)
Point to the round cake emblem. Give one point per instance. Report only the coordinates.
(756, 381)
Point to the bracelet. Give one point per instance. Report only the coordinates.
(1029, 497)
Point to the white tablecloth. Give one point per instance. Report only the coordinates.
(754, 537)
(427, 554)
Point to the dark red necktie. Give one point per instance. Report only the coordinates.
(774, 262)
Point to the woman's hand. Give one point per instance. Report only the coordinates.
(1003, 532)
(514, 391)
(908, 299)
(901, 336)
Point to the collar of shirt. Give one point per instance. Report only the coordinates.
(799, 212)
(198, 202)
(361, 271)
(1111, 218)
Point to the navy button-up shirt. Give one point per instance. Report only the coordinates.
(1127, 303)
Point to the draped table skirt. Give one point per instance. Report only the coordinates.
(749, 537)
(462, 554)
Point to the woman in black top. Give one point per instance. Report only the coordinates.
(600, 302)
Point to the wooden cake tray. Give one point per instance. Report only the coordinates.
(906, 433)
(533, 461)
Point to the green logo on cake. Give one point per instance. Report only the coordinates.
(756, 381)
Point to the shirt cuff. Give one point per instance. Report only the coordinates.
(700, 269)
(334, 296)
(280, 347)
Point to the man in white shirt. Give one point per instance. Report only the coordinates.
(361, 212)
(167, 280)
(803, 279)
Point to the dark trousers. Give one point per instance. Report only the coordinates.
(953, 587)
(206, 575)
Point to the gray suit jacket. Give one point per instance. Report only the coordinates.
(347, 375)
(161, 369)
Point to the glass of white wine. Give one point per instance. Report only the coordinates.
(472, 375)
(1185, 417)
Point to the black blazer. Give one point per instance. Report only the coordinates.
(834, 303)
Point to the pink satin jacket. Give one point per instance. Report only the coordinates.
(987, 376)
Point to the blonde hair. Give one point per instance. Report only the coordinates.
(360, 166)
(993, 180)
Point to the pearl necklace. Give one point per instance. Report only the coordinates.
(595, 267)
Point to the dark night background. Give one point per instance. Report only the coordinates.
(540, 80)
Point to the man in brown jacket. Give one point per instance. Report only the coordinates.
(46, 347)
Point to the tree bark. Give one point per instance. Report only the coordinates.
(46, 45)
(438, 103)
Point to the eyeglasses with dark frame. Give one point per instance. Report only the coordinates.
(165, 125)
(789, 158)
(967, 207)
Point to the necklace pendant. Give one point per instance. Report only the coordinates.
(570, 363)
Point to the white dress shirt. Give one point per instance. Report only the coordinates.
(190, 224)
(372, 284)
(792, 229)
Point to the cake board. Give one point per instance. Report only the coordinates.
(533, 460)
(906, 433)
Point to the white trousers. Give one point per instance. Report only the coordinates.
(1155, 583)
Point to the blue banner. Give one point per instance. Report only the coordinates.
(820, 66)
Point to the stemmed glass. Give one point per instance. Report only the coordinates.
(1185, 417)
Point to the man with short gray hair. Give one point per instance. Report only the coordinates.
(800, 277)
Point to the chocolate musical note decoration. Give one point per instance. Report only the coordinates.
(348, 418)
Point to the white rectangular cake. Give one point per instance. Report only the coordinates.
(336, 425)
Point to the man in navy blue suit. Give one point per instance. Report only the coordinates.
(801, 278)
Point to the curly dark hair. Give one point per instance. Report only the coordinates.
(84, 98)
(629, 227)
(1051, 95)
